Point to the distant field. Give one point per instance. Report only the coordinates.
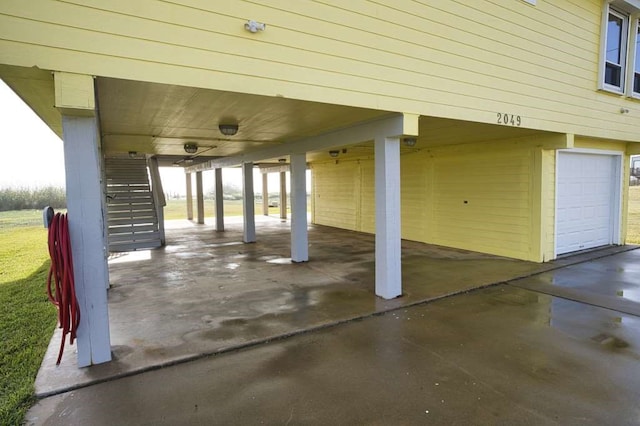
(18, 218)
(177, 209)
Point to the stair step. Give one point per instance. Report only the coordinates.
(120, 247)
(151, 214)
(123, 203)
(136, 237)
(124, 180)
(128, 229)
(121, 208)
(129, 221)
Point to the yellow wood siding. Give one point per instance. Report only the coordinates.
(549, 204)
(464, 60)
(493, 178)
(483, 201)
(492, 197)
(337, 185)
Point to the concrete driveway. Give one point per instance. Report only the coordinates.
(507, 354)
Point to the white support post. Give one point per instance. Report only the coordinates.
(265, 194)
(388, 228)
(248, 204)
(283, 195)
(199, 197)
(219, 201)
(189, 197)
(299, 237)
(85, 206)
(158, 195)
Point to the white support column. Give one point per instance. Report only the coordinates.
(199, 197)
(388, 228)
(299, 237)
(219, 201)
(158, 195)
(265, 194)
(248, 204)
(85, 206)
(189, 197)
(283, 195)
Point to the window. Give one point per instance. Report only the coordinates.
(615, 50)
(619, 70)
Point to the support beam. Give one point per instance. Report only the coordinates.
(390, 125)
(283, 195)
(85, 204)
(633, 148)
(388, 228)
(189, 197)
(299, 237)
(200, 197)
(219, 201)
(265, 194)
(248, 204)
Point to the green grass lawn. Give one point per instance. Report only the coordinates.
(27, 318)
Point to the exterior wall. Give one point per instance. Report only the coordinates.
(496, 197)
(476, 197)
(482, 200)
(464, 60)
(549, 204)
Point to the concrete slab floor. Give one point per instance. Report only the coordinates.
(501, 355)
(612, 282)
(206, 293)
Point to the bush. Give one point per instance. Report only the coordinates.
(27, 198)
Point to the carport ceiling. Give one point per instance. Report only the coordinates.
(160, 119)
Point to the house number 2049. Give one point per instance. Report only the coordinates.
(509, 119)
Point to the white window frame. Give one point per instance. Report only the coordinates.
(634, 38)
(608, 10)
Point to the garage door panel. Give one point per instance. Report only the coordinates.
(584, 205)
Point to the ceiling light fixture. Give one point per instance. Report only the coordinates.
(190, 148)
(228, 129)
(334, 153)
(410, 141)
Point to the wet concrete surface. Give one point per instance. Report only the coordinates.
(207, 293)
(500, 355)
(612, 282)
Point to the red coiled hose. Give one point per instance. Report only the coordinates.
(60, 283)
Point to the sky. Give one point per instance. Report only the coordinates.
(31, 155)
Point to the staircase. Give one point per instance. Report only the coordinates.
(132, 220)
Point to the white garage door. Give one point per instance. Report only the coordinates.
(587, 201)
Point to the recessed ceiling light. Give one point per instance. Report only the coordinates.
(190, 148)
(228, 129)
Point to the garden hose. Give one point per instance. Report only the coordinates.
(60, 282)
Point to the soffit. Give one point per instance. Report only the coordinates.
(159, 119)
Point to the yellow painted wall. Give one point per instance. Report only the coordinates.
(464, 60)
(496, 197)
